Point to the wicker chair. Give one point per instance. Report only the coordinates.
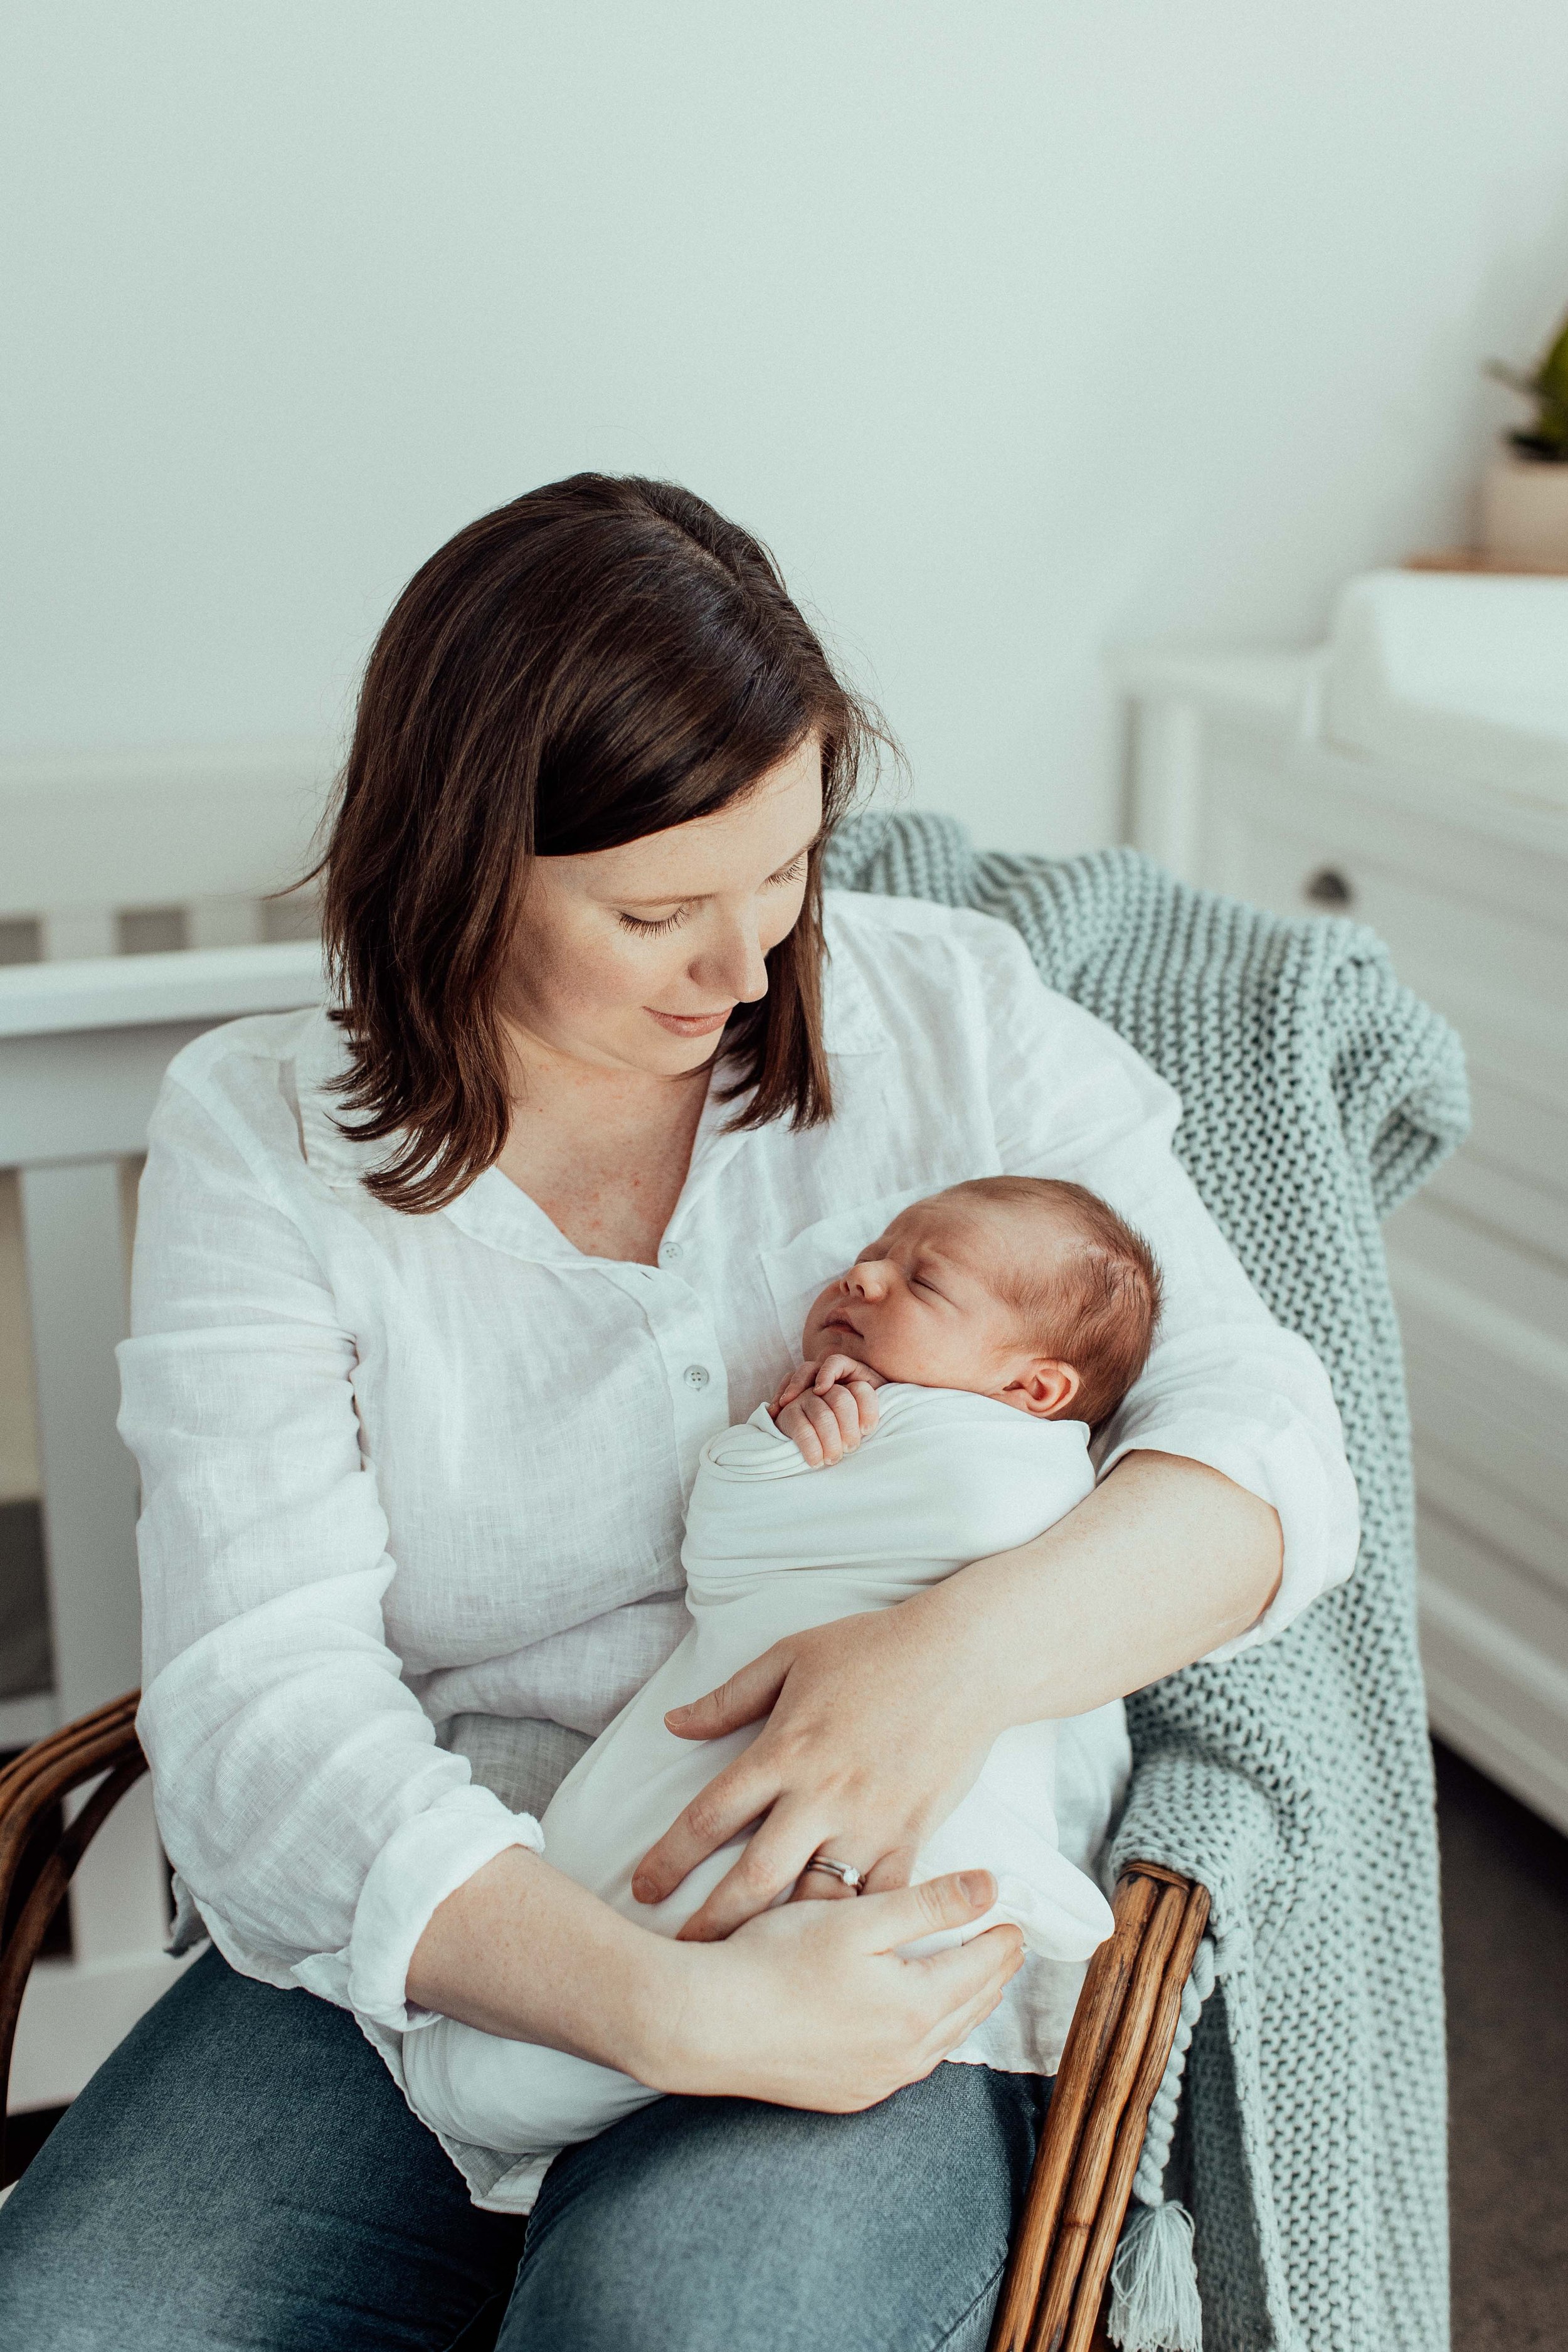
(1111, 2069)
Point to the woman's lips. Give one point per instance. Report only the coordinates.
(690, 1024)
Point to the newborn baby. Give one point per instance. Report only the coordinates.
(943, 1410)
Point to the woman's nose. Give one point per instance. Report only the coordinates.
(732, 964)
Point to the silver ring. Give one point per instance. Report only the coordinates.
(845, 1872)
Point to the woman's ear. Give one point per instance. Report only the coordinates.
(1044, 1388)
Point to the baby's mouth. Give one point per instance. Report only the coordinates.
(839, 1321)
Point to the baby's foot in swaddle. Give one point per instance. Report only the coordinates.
(518, 2097)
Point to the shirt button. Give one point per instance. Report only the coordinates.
(696, 1376)
(670, 1249)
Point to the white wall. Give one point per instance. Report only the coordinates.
(1020, 331)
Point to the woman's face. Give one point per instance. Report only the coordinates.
(632, 959)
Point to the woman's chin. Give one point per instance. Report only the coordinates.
(673, 1051)
(652, 1051)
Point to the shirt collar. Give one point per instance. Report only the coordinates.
(322, 1061)
(851, 1023)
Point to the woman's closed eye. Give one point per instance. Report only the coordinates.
(650, 926)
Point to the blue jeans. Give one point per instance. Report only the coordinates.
(243, 2171)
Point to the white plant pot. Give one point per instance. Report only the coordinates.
(1524, 511)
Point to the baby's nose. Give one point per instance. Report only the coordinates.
(867, 1278)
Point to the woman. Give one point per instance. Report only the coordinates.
(435, 1301)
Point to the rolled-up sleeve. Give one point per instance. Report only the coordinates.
(1224, 1384)
(301, 1793)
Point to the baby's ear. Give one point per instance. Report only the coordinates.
(1046, 1388)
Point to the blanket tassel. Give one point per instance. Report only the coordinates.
(1155, 2303)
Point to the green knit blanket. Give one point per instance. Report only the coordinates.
(1294, 1782)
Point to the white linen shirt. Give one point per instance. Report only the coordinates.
(398, 1469)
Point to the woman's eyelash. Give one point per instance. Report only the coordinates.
(650, 930)
(791, 873)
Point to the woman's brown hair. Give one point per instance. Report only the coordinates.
(601, 659)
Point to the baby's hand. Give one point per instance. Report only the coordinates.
(821, 1373)
(827, 1406)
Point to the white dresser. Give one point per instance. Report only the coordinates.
(1413, 773)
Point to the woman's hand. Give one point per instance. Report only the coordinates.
(875, 1731)
(880, 1724)
(810, 2006)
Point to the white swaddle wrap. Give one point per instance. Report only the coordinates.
(772, 1548)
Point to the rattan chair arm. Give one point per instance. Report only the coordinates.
(1115, 2058)
(100, 1747)
(47, 1770)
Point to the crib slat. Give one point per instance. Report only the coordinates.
(224, 923)
(67, 933)
(76, 1284)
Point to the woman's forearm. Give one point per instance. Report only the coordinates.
(522, 1951)
(1162, 1563)
(812, 2006)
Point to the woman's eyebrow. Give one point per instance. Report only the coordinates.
(693, 897)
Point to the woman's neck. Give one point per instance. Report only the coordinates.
(604, 1152)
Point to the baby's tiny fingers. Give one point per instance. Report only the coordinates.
(846, 1413)
(795, 1424)
(819, 1412)
(865, 1397)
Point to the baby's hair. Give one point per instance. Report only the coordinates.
(1100, 1313)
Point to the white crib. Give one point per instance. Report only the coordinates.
(134, 914)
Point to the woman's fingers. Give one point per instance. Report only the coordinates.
(990, 1962)
(813, 1886)
(892, 1871)
(906, 1913)
(748, 1694)
(820, 1885)
(729, 1804)
(775, 1855)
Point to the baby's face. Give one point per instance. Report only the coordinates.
(920, 1304)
